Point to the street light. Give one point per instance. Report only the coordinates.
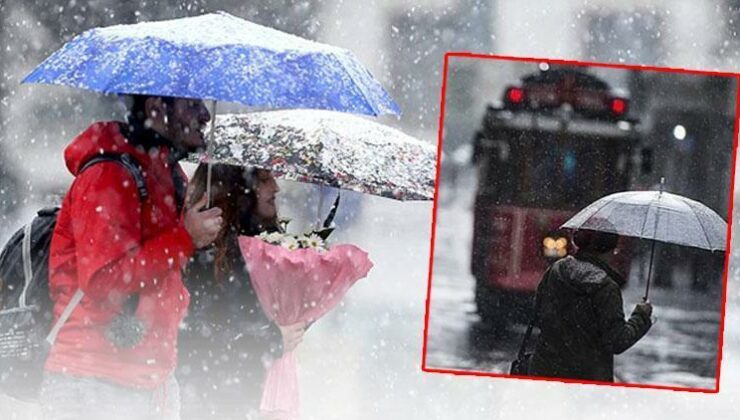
(679, 132)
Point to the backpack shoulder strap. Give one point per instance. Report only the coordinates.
(27, 267)
(128, 162)
(135, 170)
(76, 298)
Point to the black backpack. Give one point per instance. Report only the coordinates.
(25, 306)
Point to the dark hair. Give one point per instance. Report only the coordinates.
(233, 190)
(594, 241)
(137, 111)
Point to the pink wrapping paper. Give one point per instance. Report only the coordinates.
(294, 286)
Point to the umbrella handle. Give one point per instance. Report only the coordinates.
(652, 246)
(322, 190)
(650, 271)
(209, 152)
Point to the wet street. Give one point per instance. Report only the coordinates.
(679, 350)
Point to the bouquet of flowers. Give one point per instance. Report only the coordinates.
(297, 278)
(306, 240)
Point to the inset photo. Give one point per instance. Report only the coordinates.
(581, 222)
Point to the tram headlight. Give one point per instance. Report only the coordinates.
(554, 247)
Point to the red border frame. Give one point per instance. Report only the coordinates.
(440, 130)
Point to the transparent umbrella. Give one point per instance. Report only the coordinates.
(656, 216)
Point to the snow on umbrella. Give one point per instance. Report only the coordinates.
(329, 148)
(656, 216)
(219, 57)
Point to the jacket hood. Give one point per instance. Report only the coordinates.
(582, 277)
(99, 138)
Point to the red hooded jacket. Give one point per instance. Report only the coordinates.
(110, 244)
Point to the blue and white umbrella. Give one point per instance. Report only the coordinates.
(217, 57)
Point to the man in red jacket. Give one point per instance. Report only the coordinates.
(113, 246)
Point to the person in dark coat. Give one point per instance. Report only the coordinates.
(228, 342)
(580, 314)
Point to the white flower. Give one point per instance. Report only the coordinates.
(314, 241)
(292, 242)
(275, 237)
(289, 242)
(271, 238)
(302, 240)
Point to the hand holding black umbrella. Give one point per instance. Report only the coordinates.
(656, 216)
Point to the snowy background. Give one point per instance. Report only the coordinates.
(363, 361)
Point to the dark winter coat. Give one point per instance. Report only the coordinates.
(581, 321)
(227, 341)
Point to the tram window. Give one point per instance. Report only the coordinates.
(548, 172)
(646, 161)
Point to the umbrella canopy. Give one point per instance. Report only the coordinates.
(655, 215)
(219, 57)
(329, 148)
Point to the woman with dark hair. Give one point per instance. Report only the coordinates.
(578, 309)
(227, 341)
